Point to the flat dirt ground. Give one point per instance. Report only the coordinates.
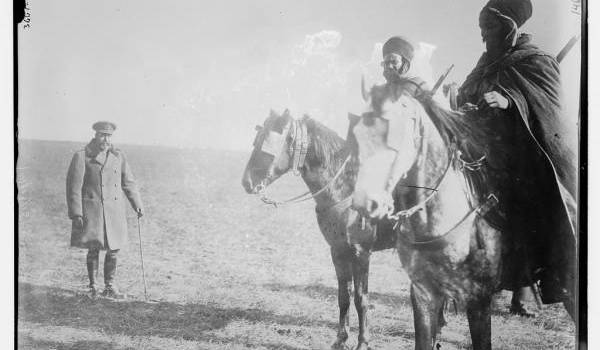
(224, 271)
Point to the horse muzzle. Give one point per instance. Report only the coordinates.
(375, 207)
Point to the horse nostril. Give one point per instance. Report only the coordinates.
(356, 205)
(247, 185)
(359, 208)
(372, 206)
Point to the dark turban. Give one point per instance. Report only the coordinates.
(400, 46)
(518, 10)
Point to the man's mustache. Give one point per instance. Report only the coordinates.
(391, 74)
(103, 143)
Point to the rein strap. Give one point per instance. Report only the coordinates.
(306, 195)
(299, 149)
(439, 242)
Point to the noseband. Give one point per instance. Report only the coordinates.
(298, 148)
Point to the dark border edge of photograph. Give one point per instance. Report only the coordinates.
(586, 110)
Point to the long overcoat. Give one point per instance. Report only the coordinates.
(96, 186)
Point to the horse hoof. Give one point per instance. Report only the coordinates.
(362, 346)
(339, 346)
(520, 310)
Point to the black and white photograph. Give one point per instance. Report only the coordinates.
(299, 175)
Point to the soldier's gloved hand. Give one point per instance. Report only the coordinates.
(140, 212)
(494, 99)
(78, 222)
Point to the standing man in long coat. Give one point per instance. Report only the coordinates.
(516, 88)
(98, 177)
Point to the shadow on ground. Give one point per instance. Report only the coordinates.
(31, 343)
(60, 307)
(320, 291)
(395, 302)
(500, 306)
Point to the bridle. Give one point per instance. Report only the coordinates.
(439, 242)
(298, 148)
(397, 218)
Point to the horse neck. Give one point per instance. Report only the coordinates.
(319, 170)
(434, 169)
(429, 167)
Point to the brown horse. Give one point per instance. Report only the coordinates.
(413, 173)
(319, 155)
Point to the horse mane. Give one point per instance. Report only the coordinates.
(325, 144)
(470, 135)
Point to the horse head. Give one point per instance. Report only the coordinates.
(385, 141)
(273, 151)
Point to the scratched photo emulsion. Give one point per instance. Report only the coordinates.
(300, 174)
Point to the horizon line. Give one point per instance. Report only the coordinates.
(200, 148)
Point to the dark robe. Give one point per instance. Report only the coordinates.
(531, 154)
(529, 162)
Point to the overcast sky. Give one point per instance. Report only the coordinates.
(202, 74)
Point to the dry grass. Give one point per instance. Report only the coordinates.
(227, 271)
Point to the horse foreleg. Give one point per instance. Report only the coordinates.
(360, 273)
(428, 316)
(343, 270)
(480, 323)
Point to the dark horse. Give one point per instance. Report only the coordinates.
(412, 172)
(319, 155)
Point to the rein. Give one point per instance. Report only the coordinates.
(299, 149)
(308, 195)
(406, 213)
(439, 242)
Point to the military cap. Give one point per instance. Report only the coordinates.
(398, 45)
(104, 127)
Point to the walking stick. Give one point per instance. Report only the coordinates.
(142, 258)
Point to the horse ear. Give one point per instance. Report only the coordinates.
(272, 113)
(353, 118)
(286, 113)
(363, 90)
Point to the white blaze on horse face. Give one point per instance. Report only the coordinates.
(273, 143)
(375, 163)
(387, 150)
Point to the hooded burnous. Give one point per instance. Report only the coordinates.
(533, 155)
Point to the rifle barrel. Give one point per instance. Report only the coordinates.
(565, 50)
(439, 82)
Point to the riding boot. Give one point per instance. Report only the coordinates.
(110, 270)
(92, 262)
(551, 288)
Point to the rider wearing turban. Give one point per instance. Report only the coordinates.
(398, 53)
(518, 10)
(398, 45)
(516, 88)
